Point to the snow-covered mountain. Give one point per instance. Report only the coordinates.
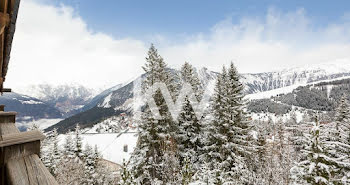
(28, 108)
(120, 98)
(296, 76)
(114, 101)
(66, 98)
(73, 98)
(94, 101)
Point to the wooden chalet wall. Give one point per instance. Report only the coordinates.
(19, 151)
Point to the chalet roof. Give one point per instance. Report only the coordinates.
(8, 18)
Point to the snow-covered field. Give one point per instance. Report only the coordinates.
(268, 94)
(275, 118)
(110, 145)
(285, 90)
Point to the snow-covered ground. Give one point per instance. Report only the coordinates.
(105, 103)
(288, 89)
(111, 145)
(268, 94)
(275, 118)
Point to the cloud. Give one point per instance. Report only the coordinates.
(275, 41)
(55, 45)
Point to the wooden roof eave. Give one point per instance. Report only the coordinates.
(8, 19)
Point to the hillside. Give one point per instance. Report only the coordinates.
(323, 96)
(296, 76)
(120, 98)
(28, 108)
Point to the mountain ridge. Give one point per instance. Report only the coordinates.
(120, 99)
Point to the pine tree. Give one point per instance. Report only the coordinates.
(189, 131)
(261, 156)
(341, 129)
(125, 175)
(90, 165)
(216, 139)
(68, 147)
(339, 132)
(78, 145)
(97, 156)
(55, 154)
(261, 152)
(278, 158)
(204, 175)
(190, 76)
(171, 168)
(156, 136)
(187, 172)
(343, 110)
(293, 119)
(229, 141)
(316, 167)
(46, 149)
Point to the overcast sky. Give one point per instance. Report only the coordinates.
(77, 41)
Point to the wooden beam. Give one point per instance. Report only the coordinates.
(5, 90)
(21, 150)
(8, 114)
(10, 30)
(4, 21)
(8, 118)
(3, 9)
(30, 171)
(21, 137)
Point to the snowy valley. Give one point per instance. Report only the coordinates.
(291, 96)
(174, 92)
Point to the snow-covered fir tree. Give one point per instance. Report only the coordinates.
(188, 137)
(293, 118)
(126, 177)
(90, 165)
(341, 129)
(97, 154)
(316, 167)
(261, 153)
(187, 171)
(229, 145)
(343, 110)
(216, 139)
(339, 132)
(68, 147)
(156, 136)
(78, 143)
(54, 154)
(171, 168)
(67, 168)
(46, 149)
(278, 158)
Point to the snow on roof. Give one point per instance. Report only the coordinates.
(110, 145)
